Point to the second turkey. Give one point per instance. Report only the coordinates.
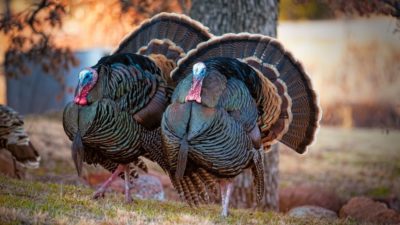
(237, 95)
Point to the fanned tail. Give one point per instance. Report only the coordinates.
(290, 111)
(26, 155)
(169, 34)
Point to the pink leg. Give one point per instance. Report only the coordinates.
(100, 192)
(226, 191)
(128, 197)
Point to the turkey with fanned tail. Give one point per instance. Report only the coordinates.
(116, 113)
(237, 95)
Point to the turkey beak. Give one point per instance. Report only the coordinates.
(78, 152)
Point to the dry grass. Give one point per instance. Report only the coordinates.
(350, 161)
(39, 203)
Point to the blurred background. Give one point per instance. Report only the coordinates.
(352, 54)
(352, 59)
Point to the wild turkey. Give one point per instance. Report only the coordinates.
(14, 138)
(238, 94)
(116, 113)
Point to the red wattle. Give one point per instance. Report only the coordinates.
(79, 100)
(194, 93)
(81, 97)
(83, 101)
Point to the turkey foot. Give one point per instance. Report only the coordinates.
(100, 192)
(226, 187)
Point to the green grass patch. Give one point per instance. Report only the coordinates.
(379, 192)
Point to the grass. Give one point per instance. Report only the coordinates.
(352, 162)
(29, 202)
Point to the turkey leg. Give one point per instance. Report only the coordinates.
(102, 189)
(226, 187)
(128, 197)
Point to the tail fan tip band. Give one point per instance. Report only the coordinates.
(282, 69)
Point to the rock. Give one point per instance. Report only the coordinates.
(367, 210)
(308, 195)
(169, 190)
(148, 187)
(164, 179)
(145, 187)
(312, 211)
(392, 202)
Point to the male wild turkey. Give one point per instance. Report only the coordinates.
(14, 138)
(238, 94)
(116, 113)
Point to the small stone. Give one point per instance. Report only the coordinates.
(148, 187)
(368, 210)
(308, 195)
(312, 211)
(392, 202)
(144, 187)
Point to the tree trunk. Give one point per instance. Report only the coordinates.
(7, 8)
(253, 16)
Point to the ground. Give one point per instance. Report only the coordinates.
(40, 203)
(351, 162)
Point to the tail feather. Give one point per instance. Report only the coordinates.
(195, 186)
(178, 187)
(169, 34)
(26, 155)
(192, 190)
(200, 187)
(293, 119)
(14, 138)
(186, 192)
(209, 180)
(141, 164)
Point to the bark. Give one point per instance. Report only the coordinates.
(7, 8)
(253, 16)
(227, 16)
